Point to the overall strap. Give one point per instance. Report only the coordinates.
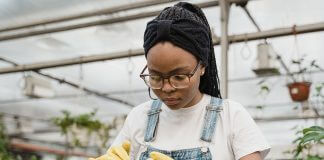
(211, 116)
(152, 120)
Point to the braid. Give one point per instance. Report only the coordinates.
(209, 81)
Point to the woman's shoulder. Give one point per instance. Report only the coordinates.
(233, 105)
(235, 112)
(232, 108)
(229, 104)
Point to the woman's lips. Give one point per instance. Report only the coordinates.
(171, 101)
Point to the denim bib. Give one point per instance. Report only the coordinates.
(208, 130)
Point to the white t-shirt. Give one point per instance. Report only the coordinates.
(236, 132)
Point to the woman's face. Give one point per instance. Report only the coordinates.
(167, 59)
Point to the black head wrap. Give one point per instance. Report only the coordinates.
(186, 26)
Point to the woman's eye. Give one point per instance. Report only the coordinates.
(155, 78)
(179, 77)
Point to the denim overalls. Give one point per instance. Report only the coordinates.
(208, 130)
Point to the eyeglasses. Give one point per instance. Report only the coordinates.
(178, 81)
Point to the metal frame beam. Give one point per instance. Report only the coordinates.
(68, 96)
(72, 61)
(138, 52)
(279, 32)
(224, 42)
(78, 86)
(103, 11)
(102, 22)
(287, 118)
(92, 23)
(251, 18)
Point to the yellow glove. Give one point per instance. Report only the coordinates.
(116, 153)
(103, 157)
(159, 156)
(119, 152)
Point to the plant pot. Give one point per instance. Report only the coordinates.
(299, 91)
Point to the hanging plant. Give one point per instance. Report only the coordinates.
(299, 88)
(79, 130)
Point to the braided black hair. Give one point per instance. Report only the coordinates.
(186, 26)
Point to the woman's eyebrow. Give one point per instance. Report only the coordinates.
(176, 70)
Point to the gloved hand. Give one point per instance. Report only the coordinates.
(159, 156)
(119, 152)
(116, 153)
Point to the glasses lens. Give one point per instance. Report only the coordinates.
(155, 82)
(179, 81)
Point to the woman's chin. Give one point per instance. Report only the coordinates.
(175, 107)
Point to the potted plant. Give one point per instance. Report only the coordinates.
(299, 88)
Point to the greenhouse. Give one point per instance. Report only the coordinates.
(70, 72)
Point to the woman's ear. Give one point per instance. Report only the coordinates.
(202, 69)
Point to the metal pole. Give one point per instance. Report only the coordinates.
(110, 10)
(251, 18)
(75, 85)
(279, 32)
(99, 22)
(72, 61)
(93, 23)
(123, 54)
(224, 8)
(287, 118)
(266, 76)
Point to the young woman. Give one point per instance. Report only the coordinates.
(189, 120)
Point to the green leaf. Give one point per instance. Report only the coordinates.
(259, 107)
(316, 157)
(33, 157)
(298, 150)
(262, 81)
(265, 88)
(297, 140)
(319, 138)
(296, 62)
(303, 70)
(313, 129)
(314, 133)
(313, 62)
(312, 136)
(318, 88)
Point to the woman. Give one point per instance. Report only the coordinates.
(189, 120)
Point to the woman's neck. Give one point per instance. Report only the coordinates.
(195, 100)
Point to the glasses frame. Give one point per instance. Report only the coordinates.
(189, 75)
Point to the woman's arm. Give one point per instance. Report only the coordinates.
(252, 156)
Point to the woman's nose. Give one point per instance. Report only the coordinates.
(167, 87)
